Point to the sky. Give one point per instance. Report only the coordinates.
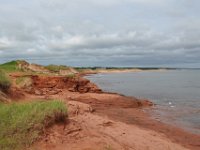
(132, 33)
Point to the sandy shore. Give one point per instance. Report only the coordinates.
(128, 70)
(103, 121)
(105, 71)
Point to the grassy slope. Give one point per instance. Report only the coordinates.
(10, 66)
(22, 123)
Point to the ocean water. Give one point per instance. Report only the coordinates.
(176, 93)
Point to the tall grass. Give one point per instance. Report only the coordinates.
(22, 123)
(5, 82)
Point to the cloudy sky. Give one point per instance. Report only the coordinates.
(101, 32)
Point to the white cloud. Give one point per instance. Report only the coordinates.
(5, 43)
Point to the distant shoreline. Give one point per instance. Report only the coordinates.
(87, 72)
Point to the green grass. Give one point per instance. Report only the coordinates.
(21, 124)
(5, 82)
(10, 66)
(56, 68)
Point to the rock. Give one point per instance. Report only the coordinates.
(15, 93)
(54, 92)
(83, 89)
(76, 84)
(37, 92)
(72, 90)
(78, 108)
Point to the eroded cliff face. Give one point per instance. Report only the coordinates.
(43, 85)
(13, 93)
(65, 86)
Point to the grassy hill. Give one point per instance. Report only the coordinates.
(10, 66)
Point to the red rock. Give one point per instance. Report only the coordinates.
(77, 84)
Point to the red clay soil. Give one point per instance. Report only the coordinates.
(127, 110)
(51, 85)
(104, 121)
(99, 121)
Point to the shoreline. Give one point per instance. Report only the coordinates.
(167, 128)
(190, 129)
(96, 119)
(100, 119)
(104, 71)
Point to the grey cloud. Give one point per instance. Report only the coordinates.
(134, 32)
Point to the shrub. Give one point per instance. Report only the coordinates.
(71, 75)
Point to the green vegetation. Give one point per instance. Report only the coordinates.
(71, 75)
(56, 68)
(22, 123)
(80, 70)
(5, 82)
(13, 66)
(10, 66)
(91, 68)
(119, 68)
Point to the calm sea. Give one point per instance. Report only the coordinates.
(176, 93)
